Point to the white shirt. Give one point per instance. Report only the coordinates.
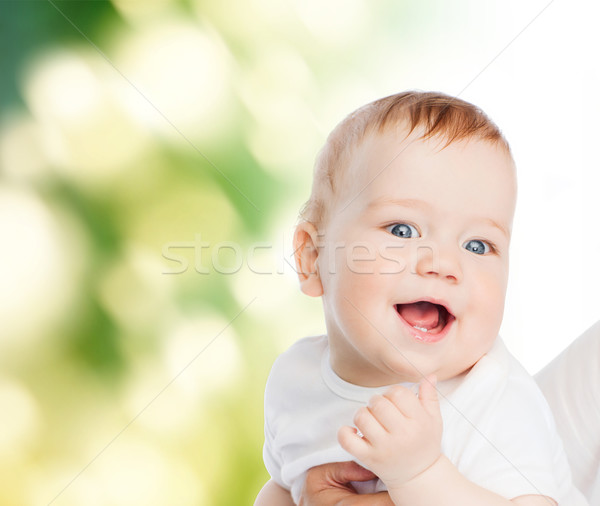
(571, 384)
(498, 428)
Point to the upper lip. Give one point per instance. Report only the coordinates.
(433, 300)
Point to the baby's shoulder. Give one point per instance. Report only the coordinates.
(304, 354)
(507, 386)
(501, 381)
(296, 373)
(518, 382)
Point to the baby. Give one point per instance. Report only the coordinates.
(406, 238)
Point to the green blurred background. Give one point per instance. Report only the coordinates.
(153, 157)
(130, 131)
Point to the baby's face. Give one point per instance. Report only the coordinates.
(414, 263)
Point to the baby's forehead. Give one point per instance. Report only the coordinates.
(389, 163)
(380, 150)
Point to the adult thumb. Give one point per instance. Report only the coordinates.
(345, 472)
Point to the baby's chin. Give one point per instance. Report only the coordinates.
(444, 370)
(462, 366)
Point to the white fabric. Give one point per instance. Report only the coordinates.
(498, 429)
(571, 384)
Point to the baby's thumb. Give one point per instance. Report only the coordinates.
(428, 394)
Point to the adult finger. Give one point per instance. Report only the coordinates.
(378, 499)
(340, 472)
(329, 484)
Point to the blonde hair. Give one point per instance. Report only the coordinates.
(438, 114)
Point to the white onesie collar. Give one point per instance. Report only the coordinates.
(347, 390)
(448, 387)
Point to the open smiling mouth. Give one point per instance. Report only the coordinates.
(429, 321)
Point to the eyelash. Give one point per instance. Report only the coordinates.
(493, 247)
(388, 228)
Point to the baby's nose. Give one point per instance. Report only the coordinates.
(435, 259)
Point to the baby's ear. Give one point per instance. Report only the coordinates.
(305, 254)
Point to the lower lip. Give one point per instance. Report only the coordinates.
(426, 337)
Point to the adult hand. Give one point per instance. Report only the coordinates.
(329, 485)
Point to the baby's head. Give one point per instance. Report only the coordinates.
(406, 237)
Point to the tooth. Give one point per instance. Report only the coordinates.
(420, 328)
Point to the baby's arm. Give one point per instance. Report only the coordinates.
(273, 495)
(442, 484)
(401, 444)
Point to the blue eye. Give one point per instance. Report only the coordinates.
(403, 230)
(478, 247)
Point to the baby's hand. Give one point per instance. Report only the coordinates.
(402, 434)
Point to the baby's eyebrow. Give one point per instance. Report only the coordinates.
(390, 201)
(495, 224)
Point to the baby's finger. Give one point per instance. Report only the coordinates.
(428, 394)
(368, 425)
(385, 412)
(351, 442)
(405, 401)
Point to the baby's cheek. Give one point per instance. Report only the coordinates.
(489, 297)
(392, 260)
